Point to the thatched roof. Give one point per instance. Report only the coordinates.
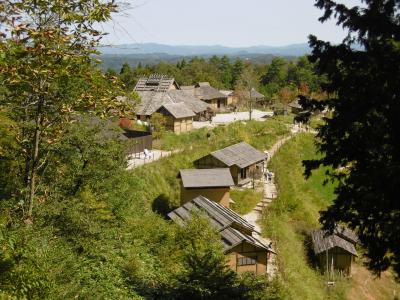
(206, 178)
(156, 83)
(224, 220)
(226, 92)
(203, 91)
(178, 110)
(295, 104)
(254, 94)
(323, 240)
(152, 101)
(241, 155)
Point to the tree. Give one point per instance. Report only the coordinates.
(158, 123)
(362, 137)
(47, 56)
(247, 82)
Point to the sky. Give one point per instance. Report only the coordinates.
(235, 23)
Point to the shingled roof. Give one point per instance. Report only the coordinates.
(295, 104)
(223, 219)
(203, 91)
(156, 83)
(206, 178)
(152, 101)
(178, 110)
(241, 155)
(323, 240)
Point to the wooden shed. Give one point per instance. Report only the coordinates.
(245, 252)
(244, 162)
(179, 117)
(203, 91)
(335, 251)
(214, 184)
(295, 106)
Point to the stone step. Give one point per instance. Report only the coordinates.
(258, 209)
(267, 201)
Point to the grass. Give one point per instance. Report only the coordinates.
(245, 200)
(293, 214)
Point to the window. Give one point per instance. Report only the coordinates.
(245, 261)
(243, 173)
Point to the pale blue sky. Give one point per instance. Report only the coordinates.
(221, 22)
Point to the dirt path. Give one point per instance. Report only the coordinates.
(269, 194)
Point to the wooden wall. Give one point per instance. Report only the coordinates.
(341, 260)
(219, 195)
(249, 251)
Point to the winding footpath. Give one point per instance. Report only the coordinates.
(269, 194)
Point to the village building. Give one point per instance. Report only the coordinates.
(156, 83)
(203, 91)
(179, 117)
(231, 97)
(335, 251)
(295, 107)
(214, 184)
(244, 162)
(245, 252)
(157, 90)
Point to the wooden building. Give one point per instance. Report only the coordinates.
(156, 83)
(157, 90)
(335, 251)
(231, 97)
(214, 184)
(204, 92)
(245, 252)
(295, 107)
(179, 117)
(244, 161)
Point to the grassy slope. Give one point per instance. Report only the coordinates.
(294, 214)
(291, 216)
(245, 200)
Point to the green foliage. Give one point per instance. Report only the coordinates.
(158, 122)
(363, 134)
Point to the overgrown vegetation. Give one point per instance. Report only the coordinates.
(290, 218)
(96, 234)
(245, 200)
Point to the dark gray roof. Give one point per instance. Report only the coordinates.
(347, 234)
(323, 240)
(204, 91)
(222, 219)
(205, 178)
(232, 237)
(179, 110)
(220, 216)
(155, 82)
(152, 101)
(241, 155)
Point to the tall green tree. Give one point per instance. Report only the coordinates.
(362, 138)
(47, 57)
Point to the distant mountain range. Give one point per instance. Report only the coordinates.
(153, 48)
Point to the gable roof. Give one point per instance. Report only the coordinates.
(222, 219)
(151, 101)
(295, 104)
(241, 155)
(178, 110)
(227, 92)
(323, 241)
(206, 178)
(156, 83)
(203, 91)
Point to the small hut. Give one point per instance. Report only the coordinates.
(335, 250)
(245, 252)
(244, 161)
(179, 117)
(214, 184)
(205, 92)
(295, 106)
